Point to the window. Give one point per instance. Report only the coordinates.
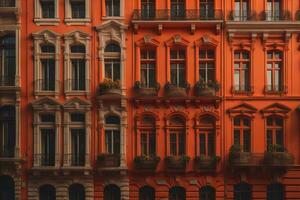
(7, 3)
(273, 10)
(112, 62)
(76, 192)
(241, 10)
(78, 9)
(207, 193)
(241, 71)
(7, 187)
(177, 9)
(112, 192)
(148, 9)
(177, 193)
(242, 191)
(207, 65)
(148, 136)
(275, 132)
(274, 71)
(146, 193)
(48, 147)
(178, 67)
(7, 60)
(78, 80)
(112, 8)
(47, 83)
(48, 8)
(7, 132)
(207, 9)
(275, 191)
(177, 136)
(148, 68)
(47, 192)
(112, 135)
(206, 136)
(242, 132)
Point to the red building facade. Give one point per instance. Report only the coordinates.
(148, 99)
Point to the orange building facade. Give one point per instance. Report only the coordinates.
(149, 99)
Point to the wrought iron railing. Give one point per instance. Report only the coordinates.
(76, 84)
(238, 15)
(46, 85)
(282, 15)
(182, 15)
(7, 151)
(7, 3)
(76, 159)
(45, 159)
(7, 81)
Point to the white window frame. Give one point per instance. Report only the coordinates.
(72, 21)
(38, 16)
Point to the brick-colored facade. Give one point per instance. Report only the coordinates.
(149, 99)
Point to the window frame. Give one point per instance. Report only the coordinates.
(38, 14)
(280, 88)
(113, 129)
(274, 192)
(69, 20)
(206, 61)
(246, 88)
(242, 128)
(274, 128)
(151, 64)
(178, 61)
(113, 60)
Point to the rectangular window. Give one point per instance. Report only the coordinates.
(148, 68)
(112, 69)
(148, 9)
(275, 133)
(48, 8)
(112, 141)
(78, 9)
(241, 71)
(7, 134)
(48, 75)
(207, 143)
(148, 144)
(207, 9)
(177, 144)
(241, 10)
(47, 118)
(78, 74)
(48, 147)
(178, 69)
(207, 65)
(273, 10)
(78, 147)
(7, 3)
(274, 71)
(177, 9)
(77, 117)
(112, 8)
(242, 133)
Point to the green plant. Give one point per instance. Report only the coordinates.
(236, 148)
(202, 85)
(183, 158)
(169, 86)
(143, 158)
(275, 148)
(109, 84)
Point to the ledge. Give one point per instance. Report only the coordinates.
(47, 22)
(78, 22)
(260, 26)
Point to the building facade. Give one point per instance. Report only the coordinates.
(149, 99)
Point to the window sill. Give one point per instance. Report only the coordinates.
(113, 18)
(77, 93)
(47, 22)
(269, 92)
(79, 22)
(46, 93)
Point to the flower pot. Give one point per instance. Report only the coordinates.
(147, 164)
(176, 163)
(206, 92)
(278, 158)
(206, 163)
(109, 160)
(112, 91)
(240, 159)
(176, 92)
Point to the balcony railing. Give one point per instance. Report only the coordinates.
(283, 15)
(194, 15)
(45, 160)
(7, 81)
(242, 88)
(275, 89)
(76, 160)
(76, 85)
(7, 3)
(238, 15)
(7, 152)
(46, 85)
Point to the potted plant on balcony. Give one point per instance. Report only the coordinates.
(146, 162)
(142, 90)
(209, 88)
(277, 155)
(177, 162)
(204, 162)
(237, 157)
(108, 160)
(173, 90)
(108, 86)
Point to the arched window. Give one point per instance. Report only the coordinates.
(241, 70)
(274, 71)
(47, 82)
(177, 136)
(242, 191)
(148, 136)
(112, 192)
(47, 192)
(112, 62)
(7, 187)
(78, 69)
(76, 192)
(275, 191)
(177, 193)
(7, 131)
(178, 67)
(207, 193)
(275, 133)
(147, 193)
(112, 134)
(242, 132)
(206, 136)
(7, 60)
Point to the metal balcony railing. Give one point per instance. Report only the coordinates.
(195, 15)
(7, 81)
(7, 3)
(7, 151)
(238, 15)
(76, 85)
(45, 159)
(46, 85)
(76, 159)
(271, 15)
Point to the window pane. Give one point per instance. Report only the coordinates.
(211, 144)
(173, 145)
(47, 9)
(269, 139)
(202, 144)
(247, 141)
(152, 144)
(237, 137)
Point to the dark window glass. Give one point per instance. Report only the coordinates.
(207, 9)
(78, 9)
(242, 191)
(148, 68)
(77, 117)
(48, 75)
(148, 143)
(112, 120)
(7, 3)
(112, 8)
(112, 192)
(275, 132)
(207, 193)
(78, 74)
(47, 49)
(275, 191)
(146, 193)
(148, 9)
(241, 71)
(242, 132)
(48, 147)
(177, 9)
(113, 48)
(76, 192)
(178, 67)
(48, 8)
(78, 49)
(112, 141)
(78, 147)
(47, 192)
(207, 65)
(48, 118)
(7, 188)
(177, 193)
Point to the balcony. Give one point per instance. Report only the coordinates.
(180, 18)
(242, 89)
(272, 16)
(243, 160)
(108, 161)
(237, 15)
(176, 163)
(146, 163)
(144, 91)
(206, 163)
(172, 90)
(45, 160)
(9, 160)
(76, 163)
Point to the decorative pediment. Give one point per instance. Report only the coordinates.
(276, 109)
(46, 36)
(177, 40)
(207, 41)
(242, 109)
(45, 103)
(112, 24)
(147, 119)
(242, 42)
(77, 36)
(77, 103)
(276, 42)
(147, 40)
(207, 114)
